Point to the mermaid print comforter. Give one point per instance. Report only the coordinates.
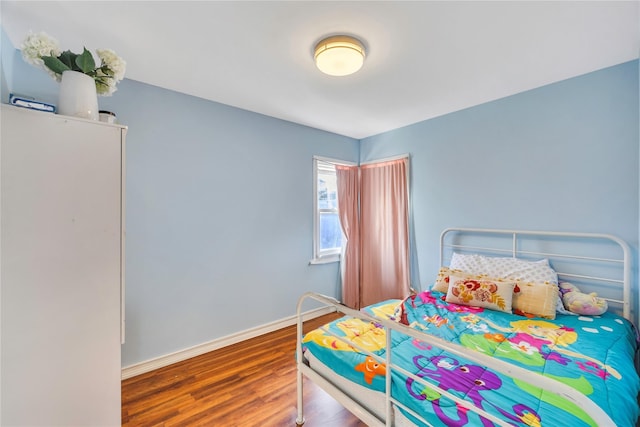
(591, 354)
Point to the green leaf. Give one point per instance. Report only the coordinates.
(54, 64)
(106, 71)
(69, 59)
(85, 62)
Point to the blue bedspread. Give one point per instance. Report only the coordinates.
(591, 354)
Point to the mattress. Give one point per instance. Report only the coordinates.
(362, 395)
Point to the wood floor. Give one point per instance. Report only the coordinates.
(248, 384)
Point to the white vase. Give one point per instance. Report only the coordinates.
(78, 96)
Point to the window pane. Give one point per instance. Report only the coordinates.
(330, 232)
(327, 239)
(327, 189)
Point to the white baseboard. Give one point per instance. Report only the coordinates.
(187, 353)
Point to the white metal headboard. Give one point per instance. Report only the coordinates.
(596, 262)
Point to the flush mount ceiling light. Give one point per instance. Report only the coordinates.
(339, 55)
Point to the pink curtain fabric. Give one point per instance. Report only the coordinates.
(373, 202)
(384, 232)
(348, 191)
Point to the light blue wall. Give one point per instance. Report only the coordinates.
(562, 157)
(219, 218)
(7, 53)
(218, 215)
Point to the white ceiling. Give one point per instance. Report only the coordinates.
(424, 58)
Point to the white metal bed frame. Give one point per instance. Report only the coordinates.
(448, 243)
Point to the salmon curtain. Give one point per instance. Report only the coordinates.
(348, 191)
(380, 269)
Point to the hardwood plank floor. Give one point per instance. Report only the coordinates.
(249, 384)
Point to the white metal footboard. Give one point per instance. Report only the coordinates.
(390, 327)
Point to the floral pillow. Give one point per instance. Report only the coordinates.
(512, 268)
(442, 281)
(538, 299)
(480, 292)
(529, 298)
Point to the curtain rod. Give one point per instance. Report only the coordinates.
(386, 159)
(335, 161)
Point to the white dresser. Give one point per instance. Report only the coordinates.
(61, 269)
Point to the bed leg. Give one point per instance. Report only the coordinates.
(300, 418)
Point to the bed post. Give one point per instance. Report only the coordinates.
(300, 417)
(299, 356)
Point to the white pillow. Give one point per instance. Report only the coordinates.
(512, 268)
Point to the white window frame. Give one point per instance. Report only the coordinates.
(323, 256)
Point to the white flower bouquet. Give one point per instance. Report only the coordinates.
(44, 52)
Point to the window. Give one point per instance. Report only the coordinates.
(327, 234)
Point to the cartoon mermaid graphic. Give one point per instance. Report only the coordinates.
(533, 341)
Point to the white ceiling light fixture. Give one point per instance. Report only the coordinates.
(339, 55)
